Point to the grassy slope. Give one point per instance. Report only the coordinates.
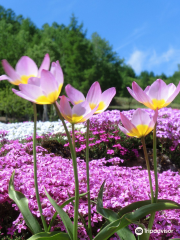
(121, 103)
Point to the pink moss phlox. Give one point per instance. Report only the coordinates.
(123, 185)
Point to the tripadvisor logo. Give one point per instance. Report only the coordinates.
(139, 231)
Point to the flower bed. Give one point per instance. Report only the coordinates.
(123, 185)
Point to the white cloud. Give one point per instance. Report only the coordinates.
(150, 60)
(164, 57)
(136, 60)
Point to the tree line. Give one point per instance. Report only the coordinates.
(83, 60)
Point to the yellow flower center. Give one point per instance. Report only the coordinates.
(92, 105)
(157, 104)
(73, 119)
(51, 98)
(140, 131)
(78, 102)
(22, 80)
(100, 107)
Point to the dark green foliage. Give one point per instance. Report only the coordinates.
(15, 107)
(173, 152)
(83, 60)
(107, 64)
(53, 146)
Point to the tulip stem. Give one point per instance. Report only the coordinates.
(155, 162)
(88, 187)
(35, 170)
(151, 220)
(73, 155)
(73, 137)
(148, 168)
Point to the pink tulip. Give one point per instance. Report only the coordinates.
(43, 90)
(156, 96)
(79, 113)
(25, 68)
(140, 125)
(94, 97)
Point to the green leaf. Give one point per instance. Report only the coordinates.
(111, 216)
(22, 203)
(81, 217)
(106, 213)
(82, 220)
(52, 221)
(153, 207)
(109, 230)
(134, 216)
(144, 235)
(63, 205)
(105, 224)
(133, 206)
(174, 239)
(65, 218)
(72, 199)
(50, 236)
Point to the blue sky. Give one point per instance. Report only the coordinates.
(146, 33)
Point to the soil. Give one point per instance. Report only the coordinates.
(163, 161)
(53, 146)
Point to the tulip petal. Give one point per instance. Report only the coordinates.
(15, 78)
(44, 65)
(30, 90)
(79, 111)
(158, 90)
(174, 94)
(143, 122)
(74, 95)
(154, 119)
(142, 96)
(65, 109)
(138, 126)
(48, 82)
(34, 81)
(94, 95)
(146, 90)
(22, 95)
(106, 98)
(57, 72)
(66, 98)
(26, 67)
(81, 108)
(132, 94)
(36, 94)
(140, 117)
(123, 129)
(5, 77)
(171, 89)
(86, 117)
(49, 87)
(152, 122)
(126, 122)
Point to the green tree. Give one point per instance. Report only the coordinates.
(144, 79)
(108, 65)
